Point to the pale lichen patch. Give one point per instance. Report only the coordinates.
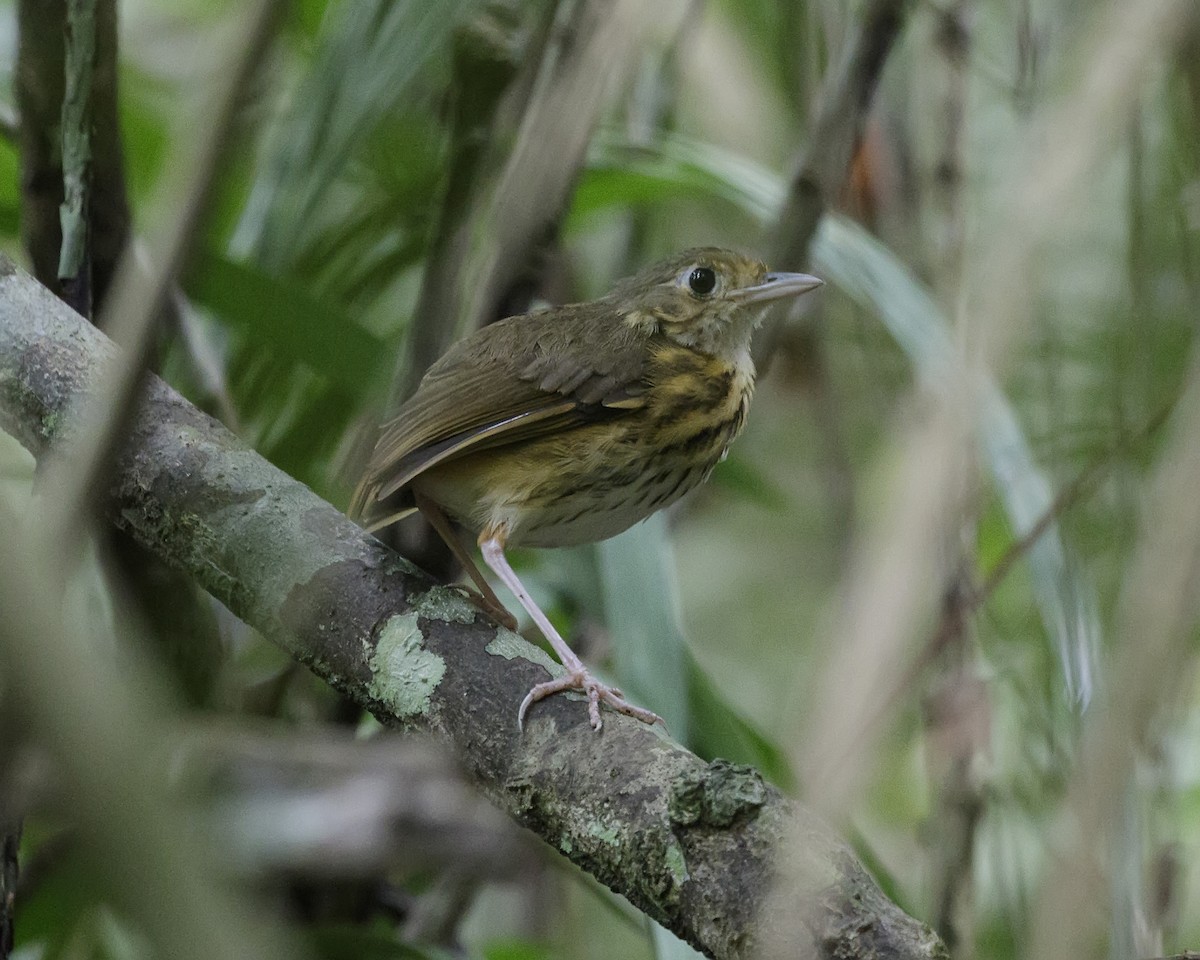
(511, 646)
(404, 674)
(605, 833)
(446, 604)
(676, 864)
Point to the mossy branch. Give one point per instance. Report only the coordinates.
(689, 843)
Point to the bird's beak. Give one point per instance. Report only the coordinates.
(775, 287)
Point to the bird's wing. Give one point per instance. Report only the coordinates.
(500, 386)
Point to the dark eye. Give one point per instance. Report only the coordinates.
(702, 281)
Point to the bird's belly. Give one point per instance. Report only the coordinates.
(602, 506)
(563, 491)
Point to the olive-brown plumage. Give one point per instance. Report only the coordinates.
(569, 425)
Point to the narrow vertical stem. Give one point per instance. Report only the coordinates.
(38, 83)
(74, 263)
(10, 842)
(956, 709)
(484, 66)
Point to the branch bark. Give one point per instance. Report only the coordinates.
(689, 843)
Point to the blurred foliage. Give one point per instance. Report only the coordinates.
(297, 312)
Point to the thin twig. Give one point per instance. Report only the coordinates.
(1071, 494)
(952, 759)
(39, 83)
(10, 843)
(961, 604)
(483, 67)
(76, 125)
(835, 131)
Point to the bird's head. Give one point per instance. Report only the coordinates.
(706, 298)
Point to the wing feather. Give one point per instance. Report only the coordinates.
(504, 431)
(502, 386)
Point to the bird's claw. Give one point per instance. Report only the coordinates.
(597, 693)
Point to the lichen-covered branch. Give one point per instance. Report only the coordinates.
(689, 843)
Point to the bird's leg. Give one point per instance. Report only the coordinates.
(577, 677)
(486, 599)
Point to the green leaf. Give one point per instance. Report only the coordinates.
(516, 950)
(641, 608)
(745, 480)
(63, 903)
(280, 316)
(717, 730)
(654, 665)
(370, 61)
(620, 174)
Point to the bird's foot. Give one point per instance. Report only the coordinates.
(597, 693)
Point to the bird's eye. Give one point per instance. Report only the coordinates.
(702, 281)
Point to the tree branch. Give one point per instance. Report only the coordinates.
(367, 806)
(688, 843)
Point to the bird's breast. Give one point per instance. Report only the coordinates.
(595, 481)
(697, 403)
(621, 473)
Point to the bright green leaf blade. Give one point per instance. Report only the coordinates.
(717, 730)
(655, 667)
(516, 950)
(747, 482)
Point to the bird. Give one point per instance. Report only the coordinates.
(567, 425)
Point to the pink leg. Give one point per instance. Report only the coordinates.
(577, 677)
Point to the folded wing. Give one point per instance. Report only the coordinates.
(500, 387)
